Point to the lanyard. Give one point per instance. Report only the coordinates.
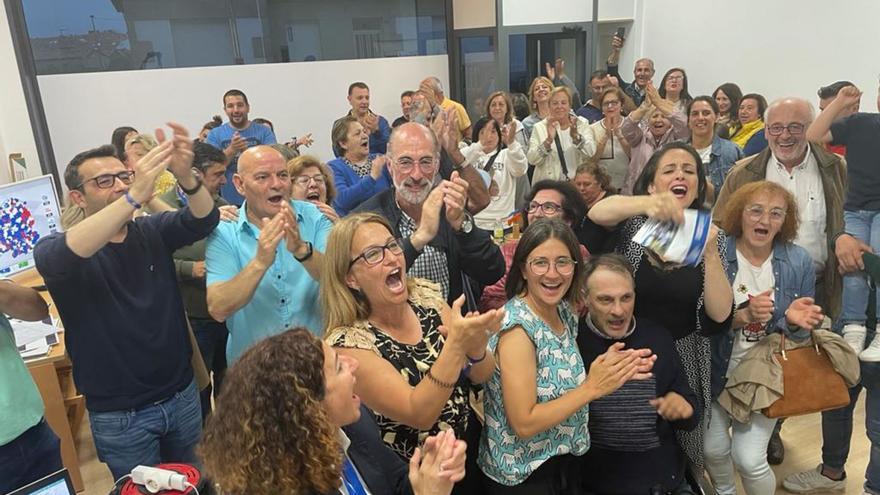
(350, 478)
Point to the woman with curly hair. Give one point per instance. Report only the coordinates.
(289, 422)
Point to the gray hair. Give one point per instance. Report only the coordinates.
(650, 62)
(790, 99)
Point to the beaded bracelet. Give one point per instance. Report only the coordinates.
(437, 382)
(132, 201)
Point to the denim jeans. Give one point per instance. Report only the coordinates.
(211, 336)
(729, 443)
(34, 454)
(864, 226)
(166, 431)
(837, 428)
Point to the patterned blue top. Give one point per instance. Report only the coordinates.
(503, 456)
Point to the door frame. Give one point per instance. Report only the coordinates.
(456, 85)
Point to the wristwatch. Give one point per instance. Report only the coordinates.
(307, 255)
(467, 225)
(195, 189)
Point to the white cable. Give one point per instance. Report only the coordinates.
(190, 485)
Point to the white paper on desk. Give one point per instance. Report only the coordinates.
(36, 348)
(30, 331)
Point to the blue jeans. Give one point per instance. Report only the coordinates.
(166, 431)
(32, 455)
(211, 336)
(837, 428)
(864, 226)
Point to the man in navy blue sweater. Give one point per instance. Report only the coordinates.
(113, 282)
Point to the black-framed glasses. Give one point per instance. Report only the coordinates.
(406, 165)
(303, 180)
(795, 129)
(548, 208)
(564, 265)
(374, 255)
(106, 181)
(756, 213)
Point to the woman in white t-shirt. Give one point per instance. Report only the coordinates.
(496, 151)
(773, 287)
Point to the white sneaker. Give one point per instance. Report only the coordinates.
(812, 481)
(872, 353)
(854, 335)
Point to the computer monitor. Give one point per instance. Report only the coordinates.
(57, 483)
(28, 212)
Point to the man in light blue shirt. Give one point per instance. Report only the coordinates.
(263, 268)
(235, 136)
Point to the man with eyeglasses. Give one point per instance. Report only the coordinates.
(547, 199)
(817, 179)
(263, 267)
(113, 282)
(440, 241)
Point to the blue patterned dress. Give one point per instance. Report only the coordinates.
(506, 458)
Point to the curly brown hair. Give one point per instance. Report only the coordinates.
(270, 433)
(732, 211)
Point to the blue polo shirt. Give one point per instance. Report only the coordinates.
(220, 137)
(287, 296)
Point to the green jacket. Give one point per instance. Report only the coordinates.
(832, 169)
(192, 290)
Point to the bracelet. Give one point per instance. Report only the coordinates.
(433, 379)
(472, 361)
(191, 191)
(132, 202)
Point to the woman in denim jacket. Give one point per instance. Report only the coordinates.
(773, 286)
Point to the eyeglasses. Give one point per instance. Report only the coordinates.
(564, 265)
(795, 129)
(548, 208)
(106, 181)
(675, 78)
(303, 180)
(406, 165)
(374, 255)
(756, 213)
(612, 103)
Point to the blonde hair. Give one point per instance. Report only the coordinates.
(561, 89)
(296, 166)
(532, 103)
(342, 305)
(147, 141)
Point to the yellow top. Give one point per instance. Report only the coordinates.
(746, 132)
(463, 120)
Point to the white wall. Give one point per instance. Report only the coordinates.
(527, 12)
(16, 135)
(83, 109)
(776, 48)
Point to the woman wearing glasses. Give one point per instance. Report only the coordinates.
(313, 182)
(773, 286)
(358, 174)
(417, 355)
(537, 397)
(674, 87)
(692, 302)
(612, 148)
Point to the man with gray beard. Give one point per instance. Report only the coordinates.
(439, 238)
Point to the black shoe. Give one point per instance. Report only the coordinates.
(775, 449)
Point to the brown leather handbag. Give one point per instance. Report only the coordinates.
(810, 382)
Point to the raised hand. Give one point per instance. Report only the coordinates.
(804, 313)
(378, 166)
(550, 70)
(304, 140)
(849, 95)
(427, 475)
(616, 43)
(760, 308)
(454, 197)
(609, 371)
(664, 206)
(148, 169)
(371, 122)
(471, 332)
(573, 127)
(508, 134)
(182, 156)
(430, 221)
(427, 89)
(271, 233)
(238, 143)
(327, 210)
(291, 230)
(673, 407)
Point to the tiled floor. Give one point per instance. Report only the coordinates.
(802, 437)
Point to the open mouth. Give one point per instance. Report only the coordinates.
(394, 281)
(551, 288)
(616, 323)
(762, 232)
(365, 142)
(786, 145)
(680, 190)
(313, 196)
(275, 199)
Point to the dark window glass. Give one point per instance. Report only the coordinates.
(107, 35)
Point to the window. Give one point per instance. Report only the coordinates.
(109, 35)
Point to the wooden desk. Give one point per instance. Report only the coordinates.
(64, 405)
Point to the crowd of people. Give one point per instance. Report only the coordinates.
(448, 305)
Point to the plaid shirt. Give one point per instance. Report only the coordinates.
(431, 264)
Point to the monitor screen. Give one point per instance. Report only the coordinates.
(57, 483)
(28, 212)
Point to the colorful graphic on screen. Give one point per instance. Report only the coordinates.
(28, 212)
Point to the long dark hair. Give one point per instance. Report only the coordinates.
(538, 233)
(734, 94)
(118, 140)
(646, 178)
(475, 137)
(684, 96)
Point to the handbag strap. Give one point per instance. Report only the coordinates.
(782, 344)
(561, 156)
(871, 312)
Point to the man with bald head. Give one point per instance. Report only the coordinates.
(440, 240)
(263, 267)
(432, 88)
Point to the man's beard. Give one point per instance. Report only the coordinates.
(412, 197)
